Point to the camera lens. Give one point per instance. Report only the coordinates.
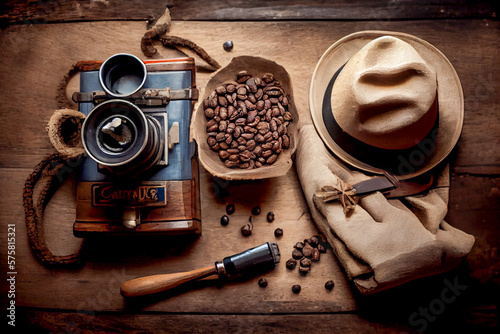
(122, 75)
(118, 135)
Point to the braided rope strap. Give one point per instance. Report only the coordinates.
(52, 167)
(64, 134)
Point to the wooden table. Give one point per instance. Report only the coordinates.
(41, 40)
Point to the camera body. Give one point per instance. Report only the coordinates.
(140, 175)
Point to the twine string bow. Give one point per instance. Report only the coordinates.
(340, 191)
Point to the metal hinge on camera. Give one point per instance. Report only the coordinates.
(144, 97)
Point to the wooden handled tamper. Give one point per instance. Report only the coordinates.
(252, 261)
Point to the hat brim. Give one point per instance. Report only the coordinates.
(422, 157)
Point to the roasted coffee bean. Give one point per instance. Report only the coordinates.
(268, 136)
(231, 164)
(224, 154)
(267, 153)
(270, 217)
(262, 282)
(209, 113)
(257, 151)
(224, 220)
(268, 78)
(315, 254)
(234, 157)
(296, 288)
(304, 270)
(212, 125)
(305, 262)
(251, 116)
(286, 141)
(299, 246)
(250, 145)
(297, 254)
(267, 146)
(256, 210)
(247, 135)
(223, 101)
(222, 126)
(278, 233)
(238, 130)
(329, 285)
(272, 159)
(314, 241)
(259, 106)
(259, 138)
(291, 264)
(307, 250)
(321, 248)
(216, 147)
(246, 155)
(230, 208)
(246, 229)
(211, 141)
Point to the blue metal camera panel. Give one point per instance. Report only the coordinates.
(179, 158)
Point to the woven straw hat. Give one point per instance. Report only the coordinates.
(387, 101)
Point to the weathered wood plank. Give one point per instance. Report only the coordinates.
(35, 321)
(44, 11)
(48, 51)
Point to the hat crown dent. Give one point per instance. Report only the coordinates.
(385, 96)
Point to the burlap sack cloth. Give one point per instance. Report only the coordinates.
(382, 243)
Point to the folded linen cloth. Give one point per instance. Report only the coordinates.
(382, 242)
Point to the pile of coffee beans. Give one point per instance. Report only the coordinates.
(306, 252)
(247, 121)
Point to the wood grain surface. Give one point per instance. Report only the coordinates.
(33, 60)
(46, 11)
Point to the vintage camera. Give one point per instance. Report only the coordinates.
(140, 175)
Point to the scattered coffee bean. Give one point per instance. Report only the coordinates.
(270, 217)
(304, 270)
(315, 254)
(307, 250)
(329, 285)
(314, 241)
(321, 248)
(256, 210)
(262, 282)
(230, 209)
(296, 288)
(299, 245)
(305, 262)
(224, 220)
(297, 254)
(246, 229)
(255, 109)
(278, 233)
(291, 264)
